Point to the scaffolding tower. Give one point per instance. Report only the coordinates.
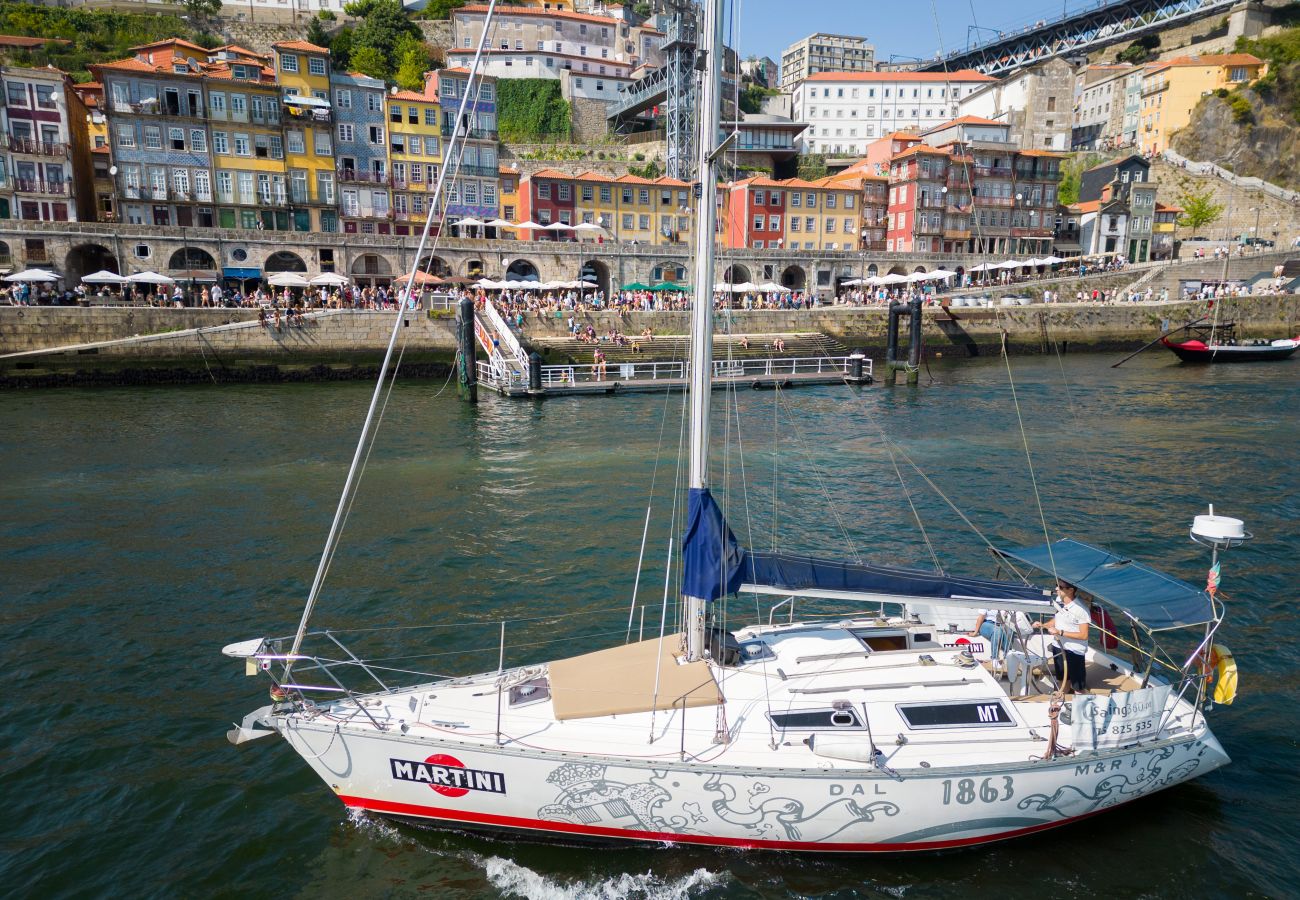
(679, 55)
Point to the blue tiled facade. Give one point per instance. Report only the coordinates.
(361, 153)
(474, 191)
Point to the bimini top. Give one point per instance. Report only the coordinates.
(716, 564)
(1156, 600)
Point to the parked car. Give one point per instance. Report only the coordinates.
(1258, 242)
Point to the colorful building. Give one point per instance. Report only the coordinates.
(1172, 89)
(302, 71)
(45, 172)
(361, 153)
(415, 148)
(248, 144)
(158, 128)
(473, 191)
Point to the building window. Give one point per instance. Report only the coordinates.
(176, 138)
(152, 137)
(126, 137)
(345, 132)
(316, 66)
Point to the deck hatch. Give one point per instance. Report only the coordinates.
(959, 714)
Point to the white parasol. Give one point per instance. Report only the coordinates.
(288, 279)
(41, 275)
(103, 276)
(329, 279)
(150, 278)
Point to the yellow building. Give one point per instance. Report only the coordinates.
(251, 185)
(302, 70)
(1171, 90)
(650, 211)
(509, 196)
(821, 215)
(415, 155)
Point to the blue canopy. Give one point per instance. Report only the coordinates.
(1156, 600)
(715, 565)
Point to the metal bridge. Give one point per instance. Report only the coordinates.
(1076, 33)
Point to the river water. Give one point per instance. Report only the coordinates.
(145, 528)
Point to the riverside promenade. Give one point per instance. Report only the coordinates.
(105, 345)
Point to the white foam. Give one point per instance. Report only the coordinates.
(515, 880)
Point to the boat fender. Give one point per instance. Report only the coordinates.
(1101, 618)
(1225, 674)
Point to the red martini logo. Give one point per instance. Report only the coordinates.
(448, 776)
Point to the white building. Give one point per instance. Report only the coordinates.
(846, 111)
(822, 52)
(536, 42)
(1099, 104)
(1036, 102)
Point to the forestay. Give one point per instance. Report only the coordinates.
(715, 565)
(1157, 601)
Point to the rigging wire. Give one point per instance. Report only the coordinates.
(365, 439)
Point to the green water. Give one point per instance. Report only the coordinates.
(143, 529)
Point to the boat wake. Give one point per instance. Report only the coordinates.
(512, 879)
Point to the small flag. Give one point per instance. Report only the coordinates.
(1212, 582)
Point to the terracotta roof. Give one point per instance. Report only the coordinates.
(549, 173)
(665, 181)
(757, 181)
(832, 182)
(593, 176)
(917, 149)
(1214, 59)
(1086, 206)
(413, 95)
(127, 65)
(303, 46)
(461, 70)
(506, 170)
(964, 120)
(1048, 154)
(544, 13)
(236, 48)
(171, 42)
(634, 179)
(960, 75)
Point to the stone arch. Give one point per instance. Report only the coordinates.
(6, 255)
(897, 270)
(597, 270)
(81, 260)
(672, 270)
(474, 268)
(190, 259)
(873, 270)
(284, 261)
(435, 265)
(735, 274)
(371, 269)
(918, 269)
(522, 270)
(794, 278)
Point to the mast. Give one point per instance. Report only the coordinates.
(701, 355)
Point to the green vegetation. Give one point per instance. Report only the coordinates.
(441, 9)
(1199, 209)
(1072, 170)
(199, 10)
(1140, 50)
(531, 110)
(316, 33)
(96, 35)
(1278, 85)
(752, 97)
(649, 170)
(642, 9)
(812, 166)
(380, 44)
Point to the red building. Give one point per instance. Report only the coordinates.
(753, 212)
(545, 197)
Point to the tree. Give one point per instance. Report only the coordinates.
(812, 166)
(1068, 190)
(384, 25)
(371, 61)
(341, 50)
(1199, 209)
(410, 74)
(200, 10)
(316, 33)
(752, 97)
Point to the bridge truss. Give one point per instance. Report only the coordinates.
(1077, 33)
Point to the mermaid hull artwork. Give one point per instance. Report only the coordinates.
(588, 799)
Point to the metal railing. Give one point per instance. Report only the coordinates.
(33, 147)
(559, 376)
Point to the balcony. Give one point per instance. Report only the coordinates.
(992, 171)
(157, 108)
(33, 147)
(872, 245)
(361, 176)
(479, 171)
(296, 115)
(956, 234)
(473, 134)
(930, 203)
(40, 186)
(994, 201)
(1034, 232)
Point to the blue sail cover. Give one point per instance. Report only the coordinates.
(715, 565)
(1157, 600)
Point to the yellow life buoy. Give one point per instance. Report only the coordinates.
(1225, 674)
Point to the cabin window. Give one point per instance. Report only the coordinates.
(838, 718)
(961, 714)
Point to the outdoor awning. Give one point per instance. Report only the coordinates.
(300, 100)
(238, 272)
(1156, 600)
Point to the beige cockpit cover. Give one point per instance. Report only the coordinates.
(622, 680)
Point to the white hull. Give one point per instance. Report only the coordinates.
(593, 798)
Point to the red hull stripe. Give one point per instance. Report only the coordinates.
(668, 837)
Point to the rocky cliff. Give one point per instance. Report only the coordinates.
(1252, 132)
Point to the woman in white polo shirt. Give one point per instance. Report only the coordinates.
(1070, 628)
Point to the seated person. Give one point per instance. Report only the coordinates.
(989, 626)
(1070, 628)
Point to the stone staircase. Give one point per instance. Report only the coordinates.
(567, 350)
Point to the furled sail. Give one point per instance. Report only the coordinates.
(715, 564)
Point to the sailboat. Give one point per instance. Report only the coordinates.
(890, 729)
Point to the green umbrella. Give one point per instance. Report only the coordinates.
(668, 286)
(636, 286)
